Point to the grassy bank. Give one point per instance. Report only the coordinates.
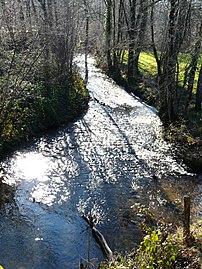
(148, 66)
(41, 108)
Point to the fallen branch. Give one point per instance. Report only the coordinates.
(107, 252)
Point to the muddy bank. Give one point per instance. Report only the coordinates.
(192, 156)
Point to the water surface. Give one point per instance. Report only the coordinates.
(104, 164)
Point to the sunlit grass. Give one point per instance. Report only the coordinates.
(147, 63)
(148, 66)
(184, 61)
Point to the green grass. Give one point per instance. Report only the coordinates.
(148, 66)
(147, 63)
(184, 61)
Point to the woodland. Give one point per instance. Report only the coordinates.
(151, 47)
(40, 87)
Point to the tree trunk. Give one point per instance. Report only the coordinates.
(167, 87)
(116, 72)
(131, 33)
(108, 32)
(141, 28)
(136, 36)
(199, 91)
(86, 40)
(158, 62)
(46, 43)
(193, 67)
(168, 83)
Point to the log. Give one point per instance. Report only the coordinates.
(81, 266)
(107, 252)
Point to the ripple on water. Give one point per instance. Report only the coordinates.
(108, 163)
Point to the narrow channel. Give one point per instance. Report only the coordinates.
(110, 162)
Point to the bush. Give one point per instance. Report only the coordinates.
(156, 252)
(40, 108)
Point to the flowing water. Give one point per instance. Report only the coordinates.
(109, 162)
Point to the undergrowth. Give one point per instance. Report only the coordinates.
(41, 108)
(161, 249)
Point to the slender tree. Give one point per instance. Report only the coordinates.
(168, 84)
(193, 66)
(199, 91)
(108, 32)
(86, 39)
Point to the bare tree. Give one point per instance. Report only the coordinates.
(108, 32)
(37, 44)
(86, 39)
(168, 82)
(191, 70)
(199, 91)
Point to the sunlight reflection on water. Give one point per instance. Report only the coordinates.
(104, 164)
(31, 165)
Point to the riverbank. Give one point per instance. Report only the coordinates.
(187, 140)
(158, 244)
(93, 166)
(163, 249)
(41, 109)
(185, 136)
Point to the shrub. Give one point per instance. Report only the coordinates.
(156, 251)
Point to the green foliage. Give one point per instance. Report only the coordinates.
(156, 253)
(41, 107)
(162, 250)
(30, 101)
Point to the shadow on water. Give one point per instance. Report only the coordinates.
(109, 163)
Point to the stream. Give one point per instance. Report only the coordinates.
(109, 162)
